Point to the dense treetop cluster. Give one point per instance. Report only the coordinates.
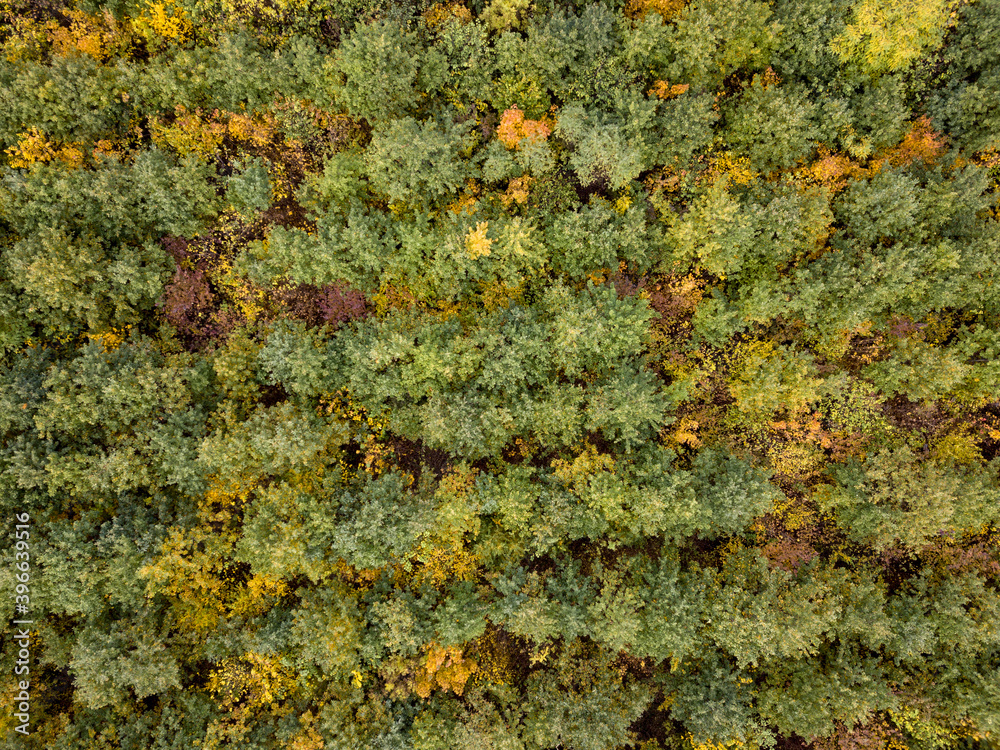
(522, 374)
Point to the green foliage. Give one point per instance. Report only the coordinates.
(523, 93)
(683, 128)
(713, 232)
(715, 703)
(470, 60)
(913, 243)
(469, 395)
(271, 442)
(335, 185)
(511, 375)
(417, 162)
(105, 664)
(72, 98)
(966, 104)
(711, 40)
(809, 694)
(374, 71)
(602, 153)
(580, 704)
(758, 614)
(151, 196)
(377, 524)
(567, 53)
(298, 359)
(893, 498)
(595, 237)
(772, 125)
(731, 493)
(73, 282)
(766, 380)
(327, 625)
(919, 371)
(231, 73)
(803, 47)
(249, 190)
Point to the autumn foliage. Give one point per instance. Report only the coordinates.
(508, 374)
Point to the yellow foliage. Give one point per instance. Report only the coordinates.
(26, 39)
(799, 461)
(735, 168)
(190, 132)
(8, 690)
(376, 452)
(443, 668)
(439, 565)
(959, 447)
(793, 512)
(832, 170)
(242, 294)
(443, 553)
(391, 297)
(667, 9)
(514, 128)
(938, 327)
(927, 732)
(467, 203)
(105, 148)
(686, 432)
(258, 595)
(887, 35)
(341, 404)
(584, 466)
(456, 483)
(921, 143)
(112, 339)
(505, 14)
(731, 549)
(253, 679)
(494, 657)
(445, 309)
(376, 456)
(190, 568)
(749, 352)
(663, 89)
(98, 36)
(477, 244)
(497, 294)
(164, 22)
(308, 738)
(989, 158)
(728, 745)
(360, 579)
(621, 204)
(440, 13)
(517, 191)
(34, 147)
(258, 129)
(769, 79)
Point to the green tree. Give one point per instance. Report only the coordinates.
(417, 162)
(894, 498)
(772, 124)
(374, 71)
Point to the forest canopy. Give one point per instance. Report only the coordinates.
(514, 374)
